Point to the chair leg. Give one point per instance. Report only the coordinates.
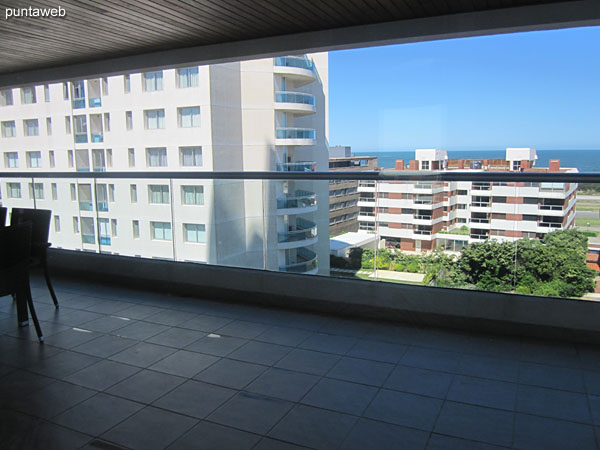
(36, 322)
(50, 288)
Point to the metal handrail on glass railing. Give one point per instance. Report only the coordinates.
(301, 62)
(308, 262)
(294, 97)
(302, 166)
(295, 133)
(304, 230)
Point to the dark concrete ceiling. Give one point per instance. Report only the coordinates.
(95, 30)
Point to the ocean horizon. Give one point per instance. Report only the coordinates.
(583, 160)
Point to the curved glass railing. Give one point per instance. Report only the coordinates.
(299, 199)
(307, 261)
(302, 62)
(304, 230)
(294, 97)
(304, 166)
(295, 133)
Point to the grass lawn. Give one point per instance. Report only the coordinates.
(582, 222)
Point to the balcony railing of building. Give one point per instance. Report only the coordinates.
(78, 103)
(301, 62)
(301, 166)
(294, 97)
(306, 262)
(295, 133)
(81, 138)
(95, 102)
(299, 199)
(302, 231)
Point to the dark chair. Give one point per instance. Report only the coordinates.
(15, 246)
(40, 220)
(3, 212)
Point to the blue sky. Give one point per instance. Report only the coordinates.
(536, 89)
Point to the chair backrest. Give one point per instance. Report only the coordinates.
(40, 222)
(15, 244)
(3, 212)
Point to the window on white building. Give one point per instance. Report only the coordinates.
(51, 158)
(46, 93)
(107, 122)
(161, 231)
(73, 192)
(9, 129)
(192, 195)
(188, 117)
(131, 157)
(49, 126)
(153, 81)
(190, 156)
(54, 189)
(133, 193)
(158, 193)
(113, 227)
(187, 77)
(31, 127)
(136, 228)
(129, 120)
(34, 160)
(104, 86)
(13, 190)
(66, 91)
(70, 158)
(127, 83)
(193, 232)
(28, 95)
(75, 225)
(68, 124)
(109, 157)
(36, 190)
(57, 224)
(156, 157)
(11, 160)
(154, 119)
(6, 97)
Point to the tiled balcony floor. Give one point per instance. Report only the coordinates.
(131, 369)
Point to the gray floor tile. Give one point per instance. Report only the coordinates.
(97, 414)
(373, 435)
(21, 383)
(77, 318)
(273, 444)
(554, 377)
(217, 345)
(426, 358)
(346, 327)
(47, 436)
(102, 375)
(553, 403)
(551, 353)
(483, 392)
(342, 396)
(260, 353)
(139, 312)
(251, 412)
(106, 324)
(243, 329)
(329, 343)
(210, 436)
(146, 386)
(378, 351)
(284, 336)
(404, 409)
(284, 384)
(140, 330)
(52, 399)
(184, 363)
(307, 361)
(476, 423)
(489, 367)
(104, 306)
(595, 408)
(206, 323)
(71, 337)
(439, 442)
(314, 427)
(230, 373)
(105, 346)
(419, 381)
(361, 371)
(592, 381)
(195, 399)
(533, 433)
(142, 354)
(150, 429)
(170, 317)
(62, 364)
(176, 337)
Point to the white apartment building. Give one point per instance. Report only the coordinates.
(262, 115)
(425, 215)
